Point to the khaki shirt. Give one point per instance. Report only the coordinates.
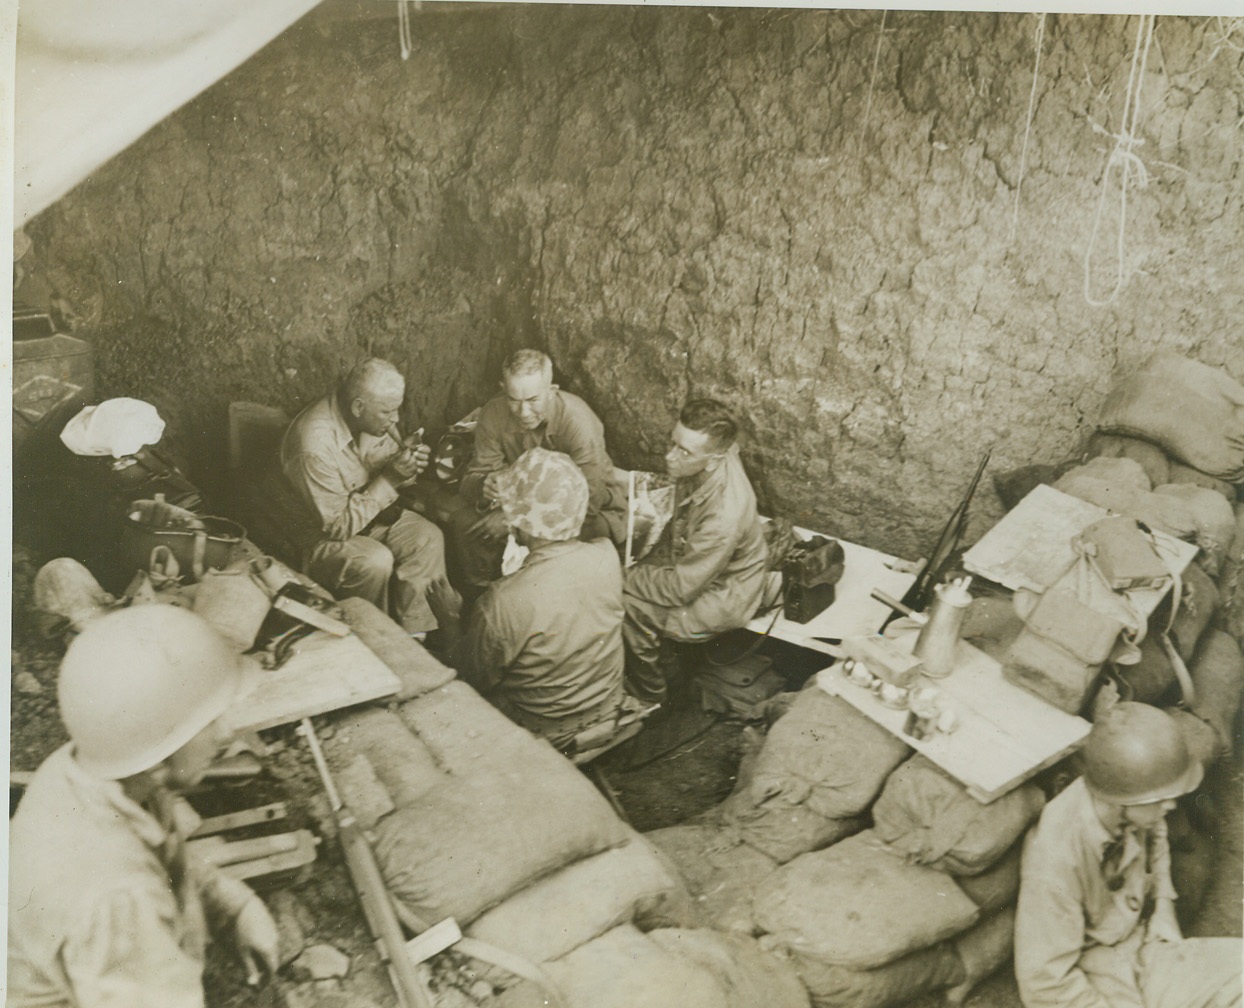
(1071, 923)
(336, 478)
(570, 427)
(711, 555)
(549, 636)
(96, 917)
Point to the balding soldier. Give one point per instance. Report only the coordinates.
(107, 907)
(345, 467)
(530, 412)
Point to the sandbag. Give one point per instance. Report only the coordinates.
(928, 818)
(1231, 581)
(1198, 604)
(721, 873)
(832, 986)
(1180, 473)
(557, 914)
(1217, 672)
(983, 949)
(1194, 411)
(399, 760)
(779, 826)
(997, 886)
(1118, 486)
(856, 904)
(1149, 679)
(1014, 485)
(1199, 736)
(750, 976)
(1146, 454)
(468, 736)
(1212, 516)
(826, 755)
(469, 843)
(622, 969)
(991, 624)
(418, 671)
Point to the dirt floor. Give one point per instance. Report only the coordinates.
(669, 773)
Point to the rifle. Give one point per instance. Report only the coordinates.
(374, 896)
(920, 593)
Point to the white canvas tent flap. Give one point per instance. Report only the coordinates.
(91, 78)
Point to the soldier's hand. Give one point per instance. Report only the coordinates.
(404, 466)
(444, 601)
(255, 934)
(489, 488)
(422, 456)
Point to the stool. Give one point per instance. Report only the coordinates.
(592, 743)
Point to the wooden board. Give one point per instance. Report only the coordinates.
(1005, 734)
(1031, 548)
(853, 613)
(325, 673)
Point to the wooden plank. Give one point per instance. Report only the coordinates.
(1031, 548)
(853, 613)
(1005, 734)
(325, 674)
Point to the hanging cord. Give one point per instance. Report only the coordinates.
(1128, 163)
(868, 105)
(1032, 97)
(403, 28)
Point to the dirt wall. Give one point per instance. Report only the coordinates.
(795, 211)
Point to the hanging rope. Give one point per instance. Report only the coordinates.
(868, 105)
(403, 28)
(1129, 166)
(1032, 96)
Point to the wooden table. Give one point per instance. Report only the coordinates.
(1005, 734)
(853, 612)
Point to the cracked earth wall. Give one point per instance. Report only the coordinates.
(681, 202)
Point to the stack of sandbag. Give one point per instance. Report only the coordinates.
(473, 818)
(923, 901)
(671, 968)
(1182, 510)
(1193, 412)
(1231, 581)
(813, 779)
(803, 787)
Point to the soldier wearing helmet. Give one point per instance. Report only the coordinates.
(1096, 925)
(544, 643)
(105, 905)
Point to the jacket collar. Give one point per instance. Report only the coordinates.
(716, 479)
(109, 797)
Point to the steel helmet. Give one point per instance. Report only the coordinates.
(1136, 755)
(139, 683)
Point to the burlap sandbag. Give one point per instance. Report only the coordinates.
(1231, 581)
(557, 914)
(983, 949)
(857, 904)
(1217, 672)
(721, 873)
(399, 760)
(468, 844)
(622, 969)
(1213, 517)
(1119, 486)
(1200, 736)
(992, 624)
(826, 755)
(1198, 605)
(929, 818)
(1180, 473)
(997, 886)
(831, 986)
(751, 977)
(1146, 454)
(1194, 411)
